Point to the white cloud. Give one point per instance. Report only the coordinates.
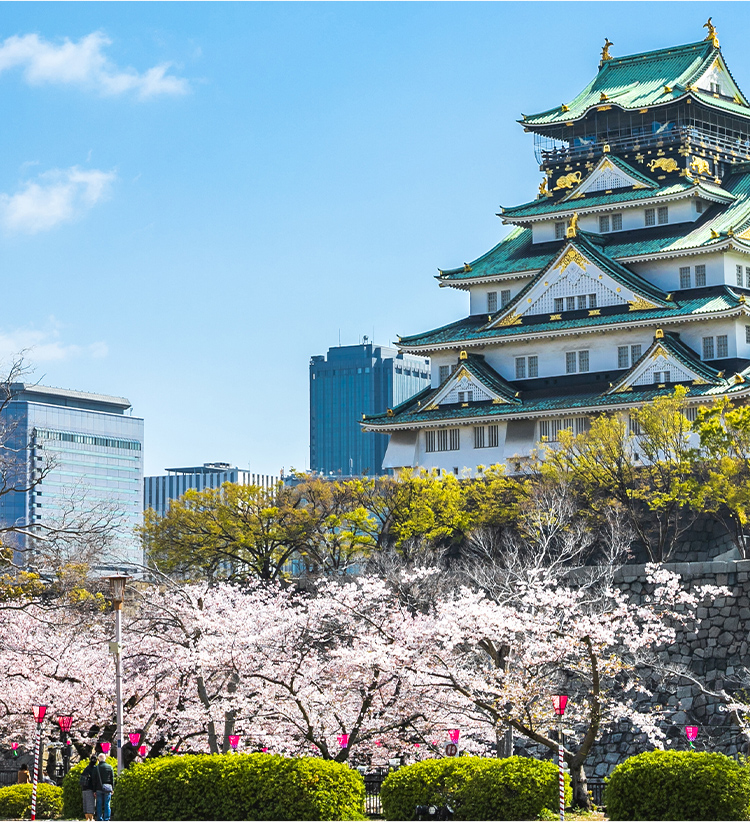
(84, 63)
(55, 197)
(44, 346)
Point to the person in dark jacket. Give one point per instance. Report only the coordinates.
(105, 781)
(87, 789)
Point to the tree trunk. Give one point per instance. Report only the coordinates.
(504, 738)
(581, 798)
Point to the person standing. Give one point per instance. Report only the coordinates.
(105, 787)
(86, 781)
(23, 775)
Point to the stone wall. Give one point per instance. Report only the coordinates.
(714, 648)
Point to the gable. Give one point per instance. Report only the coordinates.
(659, 366)
(717, 80)
(573, 276)
(464, 386)
(607, 176)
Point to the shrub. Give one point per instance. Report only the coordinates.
(474, 787)
(71, 790)
(239, 786)
(678, 785)
(15, 801)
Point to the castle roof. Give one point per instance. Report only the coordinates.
(649, 79)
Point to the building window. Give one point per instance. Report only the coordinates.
(739, 275)
(634, 426)
(559, 231)
(715, 88)
(592, 300)
(582, 302)
(722, 346)
(527, 367)
(429, 441)
(445, 372)
(466, 396)
(492, 301)
(635, 353)
(570, 303)
(479, 439)
(485, 436)
(700, 276)
(650, 216)
(603, 224)
(549, 430)
(661, 377)
(617, 222)
(559, 305)
(455, 439)
(576, 361)
(442, 440)
(685, 277)
(504, 297)
(662, 214)
(623, 353)
(747, 277)
(708, 348)
(493, 437)
(747, 333)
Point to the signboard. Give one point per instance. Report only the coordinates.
(451, 749)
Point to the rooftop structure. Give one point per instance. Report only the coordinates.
(626, 275)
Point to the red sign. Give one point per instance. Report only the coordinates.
(451, 749)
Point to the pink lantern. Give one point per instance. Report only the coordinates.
(234, 741)
(65, 723)
(265, 750)
(39, 712)
(416, 744)
(559, 701)
(454, 735)
(378, 742)
(105, 747)
(134, 739)
(691, 732)
(142, 750)
(14, 746)
(343, 740)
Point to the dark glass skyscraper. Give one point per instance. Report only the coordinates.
(350, 381)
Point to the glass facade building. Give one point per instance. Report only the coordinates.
(96, 453)
(159, 491)
(350, 381)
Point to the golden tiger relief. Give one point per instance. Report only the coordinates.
(568, 180)
(700, 166)
(667, 163)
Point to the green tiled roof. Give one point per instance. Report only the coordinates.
(474, 328)
(639, 81)
(563, 404)
(598, 198)
(475, 363)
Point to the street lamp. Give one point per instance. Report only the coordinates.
(117, 594)
(559, 701)
(65, 723)
(39, 712)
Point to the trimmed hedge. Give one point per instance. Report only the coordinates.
(474, 787)
(239, 786)
(15, 801)
(71, 790)
(678, 785)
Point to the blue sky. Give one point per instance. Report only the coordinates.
(195, 198)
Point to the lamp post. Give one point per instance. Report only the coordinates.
(559, 701)
(39, 712)
(65, 723)
(117, 594)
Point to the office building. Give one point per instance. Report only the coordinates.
(158, 491)
(628, 274)
(96, 450)
(350, 381)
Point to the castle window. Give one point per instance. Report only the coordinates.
(700, 275)
(576, 361)
(722, 346)
(661, 377)
(715, 88)
(559, 231)
(570, 303)
(549, 430)
(617, 222)
(634, 426)
(708, 348)
(592, 300)
(747, 277)
(455, 439)
(527, 367)
(429, 441)
(444, 372)
(662, 215)
(747, 333)
(691, 414)
(492, 302)
(685, 277)
(466, 396)
(485, 436)
(739, 275)
(635, 353)
(650, 216)
(623, 353)
(504, 297)
(603, 224)
(442, 440)
(582, 301)
(559, 305)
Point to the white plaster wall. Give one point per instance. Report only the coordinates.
(692, 334)
(478, 293)
(467, 458)
(665, 274)
(680, 211)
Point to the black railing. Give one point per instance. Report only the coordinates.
(373, 780)
(596, 789)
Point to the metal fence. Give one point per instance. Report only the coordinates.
(596, 789)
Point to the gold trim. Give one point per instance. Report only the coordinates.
(595, 312)
(462, 355)
(568, 180)
(511, 319)
(659, 335)
(553, 317)
(572, 255)
(666, 163)
(699, 165)
(640, 304)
